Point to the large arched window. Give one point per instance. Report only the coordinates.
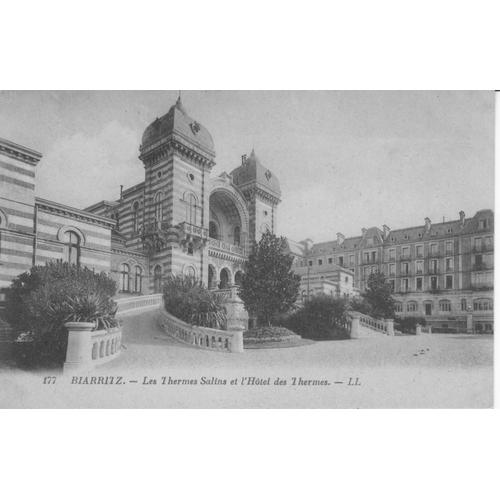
(237, 236)
(213, 232)
(72, 247)
(135, 216)
(125, 277)
(159, 206)
(138, 280)
(157, 279)
(483, 305)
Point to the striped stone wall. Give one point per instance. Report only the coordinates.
(17, 207)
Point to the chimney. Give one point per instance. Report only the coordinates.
(340, 239)
(243, 160)
(387, 230)
(121, 192)
(462, 217)
(363, 231)
(427, 224)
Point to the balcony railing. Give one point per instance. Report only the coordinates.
(194, 231)
(226, 247)
(482, 267)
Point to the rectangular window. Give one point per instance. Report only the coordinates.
(434, 249)
(482, 224)
(374, 269)
(351, 260)
(449, 264)
(434, 267)
(392, 254)
(341, 261)
(434, 282)
(366, 257)
(478, 260)
(310, 262)
(392, 269)
(404, 285)
(392, 283)
(449, 248)
(419, 267)
(449, 282)
(488, 242)
(463, 304)
(320, 262)
(477, 243)
(411, 307)
(405, 252)
(420, 250)
(405, 268)
(419, 284)
(445, 306)
(330, 260)
(374, 256)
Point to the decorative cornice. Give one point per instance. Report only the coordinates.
(18, 152)
(74, 213)
(153, 155)
(218, 254)
(257, 191)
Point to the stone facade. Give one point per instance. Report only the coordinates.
(441, 271)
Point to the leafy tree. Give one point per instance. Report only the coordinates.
(321, 317)
(378, 295)
(269, 286)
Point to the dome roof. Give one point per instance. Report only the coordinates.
(178, 122)
(253, 171)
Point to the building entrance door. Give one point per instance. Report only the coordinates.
(428, 309)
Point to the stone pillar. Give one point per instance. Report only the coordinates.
(237, 341)
(237, 316)
(355, 327)
(79, 350)
(389, 323)
(470, 326)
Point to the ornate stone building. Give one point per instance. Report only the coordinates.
(180, 220)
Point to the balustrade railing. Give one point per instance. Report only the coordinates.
(226, 247)
(106, 345)
(193, 230)
(138, 304)
(204, 338)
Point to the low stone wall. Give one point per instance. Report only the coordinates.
(362, 325)
(138, 304)
(201, 337)
(87, 349)
(106, 345)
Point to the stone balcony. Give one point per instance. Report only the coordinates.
(226, 251)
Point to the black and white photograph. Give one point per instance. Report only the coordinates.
(246, 249)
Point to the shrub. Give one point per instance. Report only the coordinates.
(409, 324)
(189, 300)
(321, 317)
(41, 300)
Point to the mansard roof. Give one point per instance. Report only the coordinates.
(408, 235)
(178, 123)
(253, 171)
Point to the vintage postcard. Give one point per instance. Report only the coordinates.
(246, 249)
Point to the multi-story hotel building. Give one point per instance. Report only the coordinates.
(442, 271)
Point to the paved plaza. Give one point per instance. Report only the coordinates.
(428, 371)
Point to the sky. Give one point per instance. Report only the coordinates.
(345, 159)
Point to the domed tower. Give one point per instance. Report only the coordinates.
(262, 192)
(178, 154)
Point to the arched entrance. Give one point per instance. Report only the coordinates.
(237, 278)
(229, 217)
(157, 279)
(225, 278)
